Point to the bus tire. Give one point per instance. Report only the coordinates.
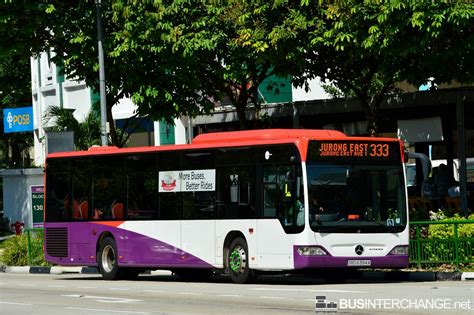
(238, 262)
(107, 259)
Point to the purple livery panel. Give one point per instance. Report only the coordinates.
(328, 261)
(134, 250)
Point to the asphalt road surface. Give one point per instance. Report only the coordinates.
(166, 294)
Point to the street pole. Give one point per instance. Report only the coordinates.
(103, 103)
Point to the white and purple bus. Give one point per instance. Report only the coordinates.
(240, 202)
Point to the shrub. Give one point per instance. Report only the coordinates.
(15, 251)
(438, 245)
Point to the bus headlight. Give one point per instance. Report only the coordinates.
(311, 251)
(399, 250)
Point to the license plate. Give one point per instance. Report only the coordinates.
(358, 262)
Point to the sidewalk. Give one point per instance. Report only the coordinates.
(414, 276)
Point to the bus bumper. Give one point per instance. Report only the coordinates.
(328, 261)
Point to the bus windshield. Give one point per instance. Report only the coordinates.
(361, 194)
(361, 198)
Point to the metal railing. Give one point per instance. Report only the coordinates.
(444, 245)
(426, 249)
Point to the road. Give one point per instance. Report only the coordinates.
(166, 294)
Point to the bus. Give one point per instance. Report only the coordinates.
(243, 203)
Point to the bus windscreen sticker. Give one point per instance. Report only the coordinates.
(187, 181)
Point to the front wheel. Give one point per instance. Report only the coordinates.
(107, 259)
(238, 262)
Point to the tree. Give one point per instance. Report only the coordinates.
(365, 47)
(22, 32)
(74, 40)
(15, 91)
(86, 133)
(195, 54)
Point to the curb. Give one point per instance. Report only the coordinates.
(421, 276)
(49, 270)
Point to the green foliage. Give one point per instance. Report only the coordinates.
(438, 244)
(442, 231)
(178, 58)
(15, 250)
(86, 134)
(365, 47)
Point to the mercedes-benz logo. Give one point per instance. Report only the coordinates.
(359, 249)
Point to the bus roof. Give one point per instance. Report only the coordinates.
(226, 139)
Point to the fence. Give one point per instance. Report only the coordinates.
(431, 243)
(441, 242)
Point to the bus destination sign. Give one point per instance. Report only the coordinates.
(367, 150)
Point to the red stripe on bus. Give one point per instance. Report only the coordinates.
(109, 223)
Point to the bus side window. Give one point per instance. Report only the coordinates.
(236, 192)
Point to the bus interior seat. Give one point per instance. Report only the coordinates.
(84, 209)
(76, 211)
(117, 210)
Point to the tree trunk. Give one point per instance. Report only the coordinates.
(240, 108)
(371, 113)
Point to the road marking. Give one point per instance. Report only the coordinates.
(56, 286)
(189, 293)
(28, 284)
(273, 297)
(87, 287)
(303, 290)
(154, 291)
(230, 295)
(106, 311)
(12, 303)
(119, 289)
(103, 299)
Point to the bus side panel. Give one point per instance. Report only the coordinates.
(198, 238)
(100, 229)
(75, 243)
(79, 242)
(250, 231)
(67, 243)
(157, 244)
(275, 247)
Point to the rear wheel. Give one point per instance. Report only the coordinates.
(238, 262)
(107, 259)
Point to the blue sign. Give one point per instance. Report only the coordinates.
(18, 119)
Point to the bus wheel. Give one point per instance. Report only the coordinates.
(108, 265)
(238, 262)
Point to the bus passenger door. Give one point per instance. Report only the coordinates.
(278, 221)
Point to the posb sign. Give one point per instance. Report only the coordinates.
(18, 119)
